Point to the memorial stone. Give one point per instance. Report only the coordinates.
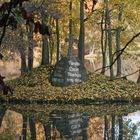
(69, 70)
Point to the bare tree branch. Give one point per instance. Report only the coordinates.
(92, 11)
(121, 51)
(127, 75)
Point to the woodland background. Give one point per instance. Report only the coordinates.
(36, 31)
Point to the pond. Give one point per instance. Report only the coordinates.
(69, 122)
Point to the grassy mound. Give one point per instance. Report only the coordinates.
(97, 88)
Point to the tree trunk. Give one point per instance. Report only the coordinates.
(70, 31)
(103, 46)
(45, 50)
(22, 51)
(138, 81)
(30, 48)
(81, 35)
(51, 42)
(45, 46)
(103, 63)
(58, 40)
(24, 127)
(118, 48)
(70, 21)
(109, 41)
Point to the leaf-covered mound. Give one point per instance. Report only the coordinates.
(97, 88)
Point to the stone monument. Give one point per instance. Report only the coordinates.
(69, 70)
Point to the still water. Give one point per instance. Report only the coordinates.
(69, 122)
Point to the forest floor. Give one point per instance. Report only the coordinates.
(97, 89)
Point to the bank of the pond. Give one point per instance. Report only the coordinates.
(43, 111)
(97, 89)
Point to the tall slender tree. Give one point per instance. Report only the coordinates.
(45, 45)
(24, 127)
(58, 40)
(82, 33)
(109, 33)
(103, 42)
(22, 51)
(70, 20)
(30, 48)
(118, 33)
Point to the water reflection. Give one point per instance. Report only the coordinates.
(10, 124)
(60, 124)
(91, 65)
(70, 124)
(24, 126)
(2, 113)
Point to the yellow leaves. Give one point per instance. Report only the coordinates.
(96, 88)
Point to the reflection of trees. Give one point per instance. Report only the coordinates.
(130, 130)
(106, 129)
(32, 128)
(96, 128)
(120, 128)
(116, 131)
(10, 127)
(31, 124)
(55, 124)
(120, 119)
(91, 65)
(113, 127)
(47, 129)
(2, 113)
(24, 126)
(69, 124)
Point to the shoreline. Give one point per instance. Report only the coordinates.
(98, 89)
